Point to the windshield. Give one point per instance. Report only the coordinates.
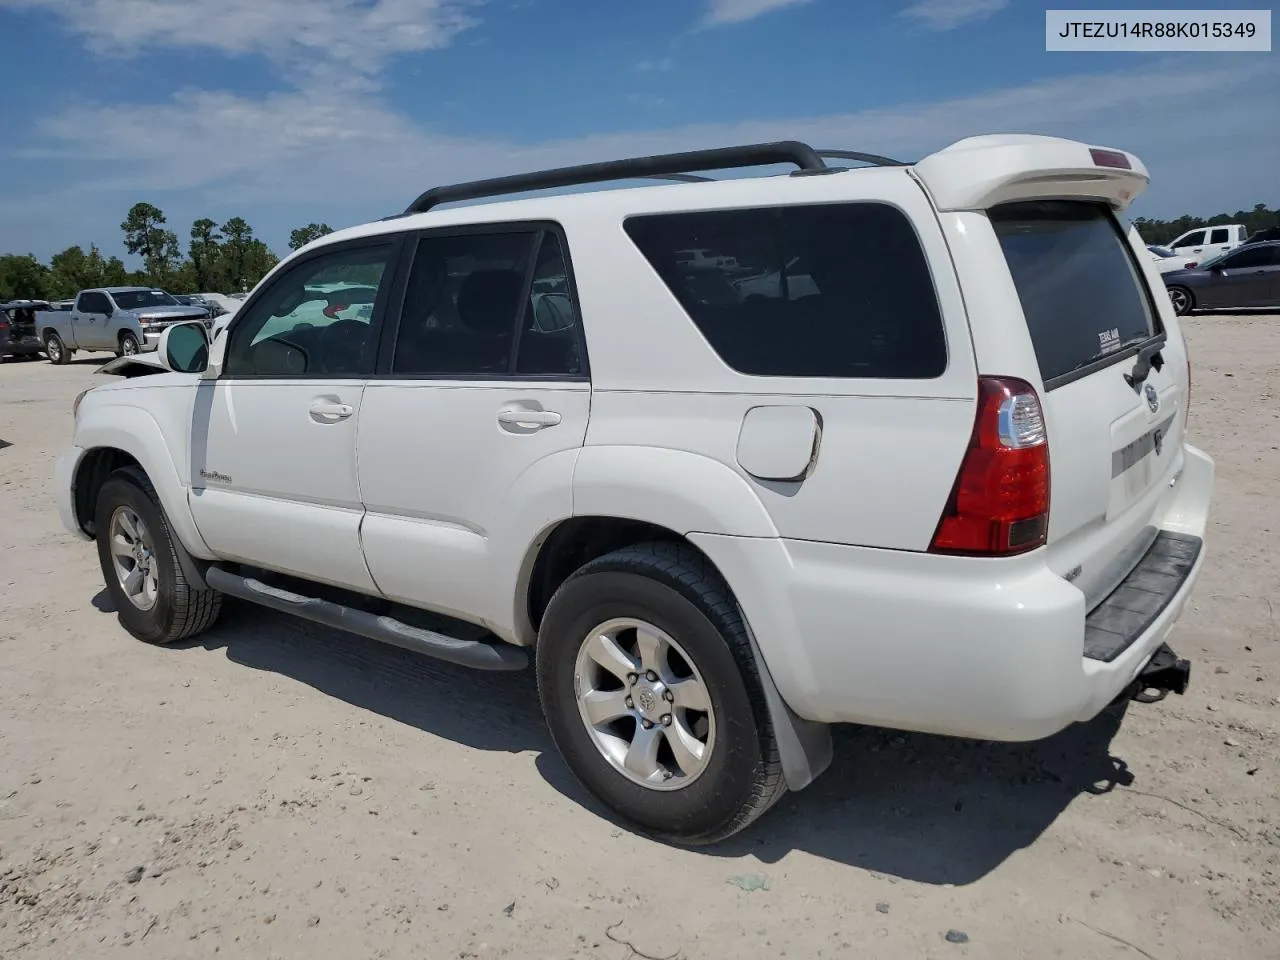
(1208, 262)
(141, 299)
(1081, 293)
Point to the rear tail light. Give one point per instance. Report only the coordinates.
(1190, 265)
(1000, 502)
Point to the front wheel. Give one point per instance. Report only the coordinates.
(55, 349)
(142, 564)
(1182, 300)
(128, 345)
(653, 697)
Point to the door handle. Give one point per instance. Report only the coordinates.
(327, 411)
(516, 417)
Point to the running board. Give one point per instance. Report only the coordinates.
(467, 653)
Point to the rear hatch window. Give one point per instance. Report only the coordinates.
(1082, 294)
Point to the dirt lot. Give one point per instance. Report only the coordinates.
(279, 790)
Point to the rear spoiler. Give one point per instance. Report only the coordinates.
(979, 172)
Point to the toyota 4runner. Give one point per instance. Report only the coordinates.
(902, 446)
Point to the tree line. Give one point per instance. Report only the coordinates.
(1260, 217)
(219, 258)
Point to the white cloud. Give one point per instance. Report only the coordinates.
(348, 147)
(654, 66)
(949, 14)
(646, 100)
(306, 37)
(722, 12)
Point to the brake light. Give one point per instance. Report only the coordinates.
(1189, 265)
(1000, 502)
(1110, 158)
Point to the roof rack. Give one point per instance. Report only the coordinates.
(872, 158)
(664, 165)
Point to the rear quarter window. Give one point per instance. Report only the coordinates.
(832, 290)
(1082, 294)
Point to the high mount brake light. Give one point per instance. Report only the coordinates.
(1109, 158)
(999, 505)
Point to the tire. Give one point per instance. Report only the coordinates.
(1183, 300)
(179, 609)
(55, 349)
(673, 590)
(128, 345)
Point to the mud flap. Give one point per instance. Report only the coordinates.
(804, 746)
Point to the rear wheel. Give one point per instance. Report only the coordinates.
(1182, 299)
(653, 697)
(142, 564)
(128, 345)
(55, 349)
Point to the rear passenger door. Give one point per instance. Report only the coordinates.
(89, 321)
(471, 428)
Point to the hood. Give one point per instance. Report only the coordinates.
(137, 365)
(170, 313)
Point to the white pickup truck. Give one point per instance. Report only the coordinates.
(931, 475)
(124, 320)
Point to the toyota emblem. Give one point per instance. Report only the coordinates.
(1153, 398)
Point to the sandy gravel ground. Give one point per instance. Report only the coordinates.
(279, 790)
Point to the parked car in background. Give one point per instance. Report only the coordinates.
(18, 336)
(219, 303)
(124, 320)
(1245, 277)
(1270, 233)
(1166, 260)
(1205, 242)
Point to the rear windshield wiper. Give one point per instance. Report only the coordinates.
(1148, 359)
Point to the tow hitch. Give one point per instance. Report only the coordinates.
(1164, 673)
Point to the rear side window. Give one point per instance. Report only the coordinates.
(1081, 293)
(1219, 236)
(833, 290)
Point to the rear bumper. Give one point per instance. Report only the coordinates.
(24, 347)
(992, 649)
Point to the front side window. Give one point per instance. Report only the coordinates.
(315, 320)
(1191, 240)
(1250, 257)
(830, 290)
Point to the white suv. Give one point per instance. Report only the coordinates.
(930, 476)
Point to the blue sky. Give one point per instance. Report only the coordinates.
(288, 111)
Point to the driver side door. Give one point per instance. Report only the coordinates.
(273, 441)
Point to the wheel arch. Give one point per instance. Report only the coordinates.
(805, 747)
(118, 436)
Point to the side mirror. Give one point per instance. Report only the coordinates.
(109, 310)
(184, 347)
